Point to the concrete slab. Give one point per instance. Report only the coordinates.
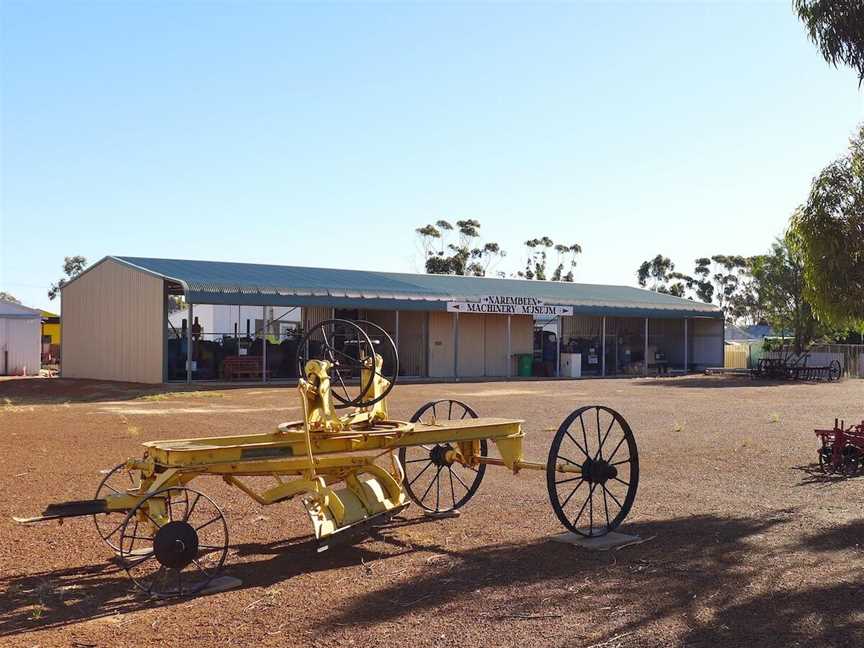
(606, 542)
(453, 513)
(221, 584)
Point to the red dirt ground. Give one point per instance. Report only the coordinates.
(746, 544)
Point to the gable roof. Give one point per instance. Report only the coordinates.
(13, 310)
(219, 282)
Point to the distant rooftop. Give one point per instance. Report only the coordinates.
(218, 282)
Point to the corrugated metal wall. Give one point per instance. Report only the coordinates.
(440, 344)
(706, 343)
(113, 325)
(20, 346)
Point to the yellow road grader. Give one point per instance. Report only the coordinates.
(352, 471)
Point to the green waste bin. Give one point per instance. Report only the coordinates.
(525, 362)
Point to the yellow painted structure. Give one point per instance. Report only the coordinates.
(51, 329)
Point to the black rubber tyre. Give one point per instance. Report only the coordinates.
(610, 462)
(460, 482)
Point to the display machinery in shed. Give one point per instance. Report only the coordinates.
(352, 471)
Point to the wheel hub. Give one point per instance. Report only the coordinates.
(176, 544)
(438, 455)
(598, 471)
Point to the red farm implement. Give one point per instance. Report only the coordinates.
(842, 450)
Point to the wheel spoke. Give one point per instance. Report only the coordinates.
(132, 564)
(458, 478)
(620, 505)
(570, 461)
(605, 505)
(189, 509)
(411, 483)
(206, 524)
(584, 451)
(573, 492)
(627, 484)
(434, 480)
(620, 443)
(450, 410)
(564, 481)
(584, 433)
(584, 504)
(605, 436)
(452, 490)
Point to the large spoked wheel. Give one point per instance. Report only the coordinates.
(115, 482)
(433, 480)
(598, 443)
(349, 348)
(174, 542)
(834, 370)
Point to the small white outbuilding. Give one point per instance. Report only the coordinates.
(20, 340)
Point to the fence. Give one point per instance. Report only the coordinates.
(850, 357)
(735, 356)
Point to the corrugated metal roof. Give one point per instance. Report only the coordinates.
(12, 310)
(217, 282)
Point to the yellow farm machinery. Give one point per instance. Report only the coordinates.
(352, 471)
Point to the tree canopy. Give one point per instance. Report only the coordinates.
(4, 296)
(837, 28)
(829, 234)
(466, 256)
(72, 267)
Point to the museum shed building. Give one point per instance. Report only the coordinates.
(134, 319)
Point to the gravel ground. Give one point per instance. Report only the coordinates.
(745, 544)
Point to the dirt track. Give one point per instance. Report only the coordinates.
(745, 544)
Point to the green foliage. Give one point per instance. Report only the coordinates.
(4, 296)
(72, 267)
(660, 271)
(837, 28)
(721, 279)
(536, 263)
(779, 280)
(829, 235)
(464, 257)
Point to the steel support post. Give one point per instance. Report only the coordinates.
(645, 364)
(509, 350)
(558, 347)
(456, 344)
(264, 345)
(686, 348)
(396, 341)
(189, 347)
(603, 348)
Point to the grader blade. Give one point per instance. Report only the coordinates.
(353, 532)
(77, 508)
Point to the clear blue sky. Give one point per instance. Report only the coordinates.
(323, 134)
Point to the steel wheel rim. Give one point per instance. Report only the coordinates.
(138, 544)
(602, 495)
(427, 482)
(109, 532)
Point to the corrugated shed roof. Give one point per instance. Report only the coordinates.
(13, 310)
(218, 282)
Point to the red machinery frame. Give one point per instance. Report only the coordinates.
(842, 448)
